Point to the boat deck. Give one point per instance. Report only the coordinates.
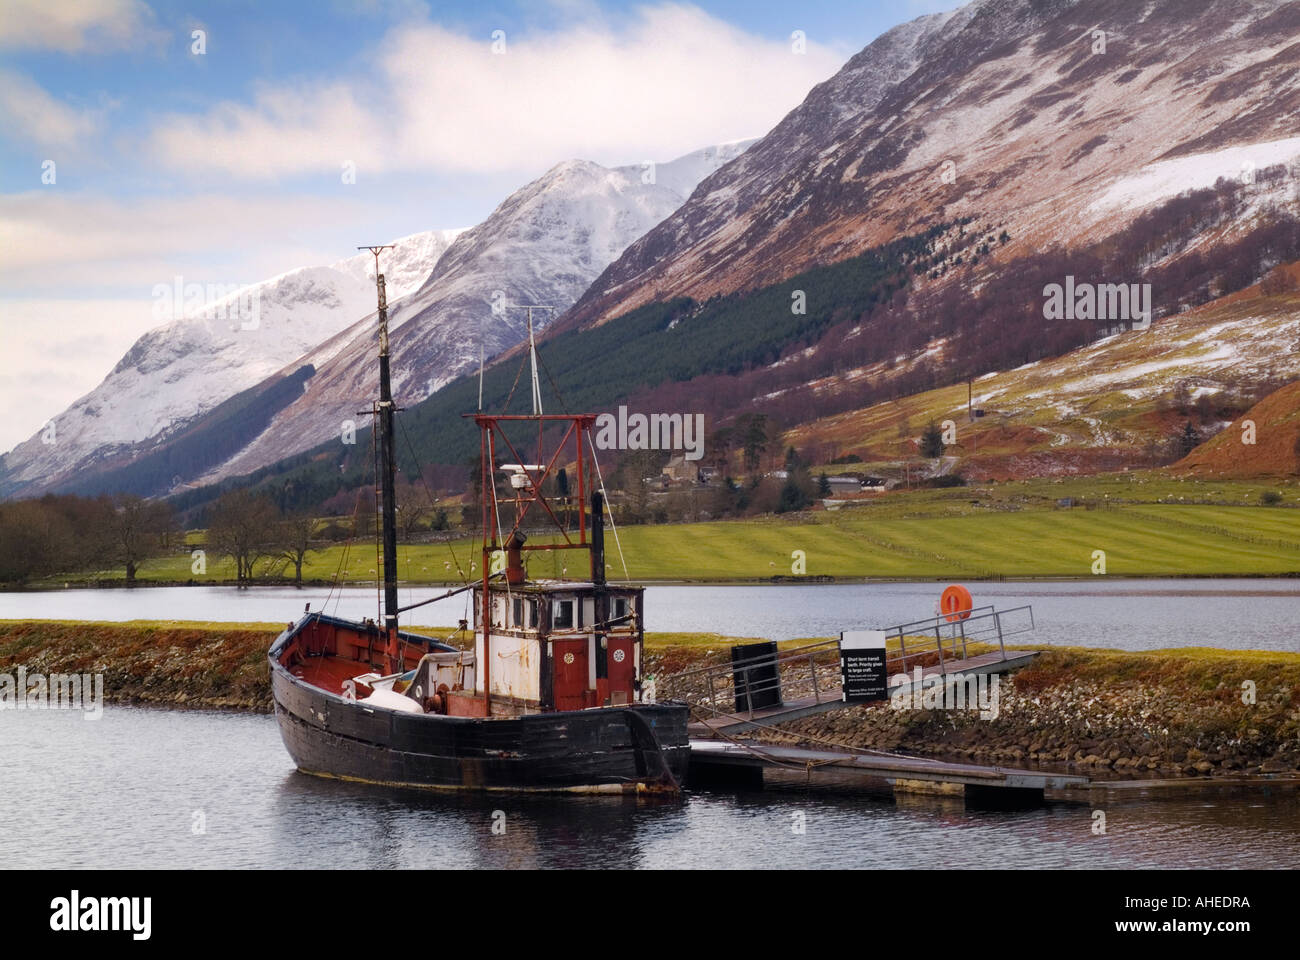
(328, 673)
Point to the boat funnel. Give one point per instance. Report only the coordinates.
(515, 558)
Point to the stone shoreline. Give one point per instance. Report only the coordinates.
(220, 667)
(1102, 713)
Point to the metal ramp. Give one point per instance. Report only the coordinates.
(906, 774)
(806, 679)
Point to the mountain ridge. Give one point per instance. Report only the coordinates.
(188, 365)
(452, 296)
(1003, 88)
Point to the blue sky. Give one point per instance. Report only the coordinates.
(229, 164)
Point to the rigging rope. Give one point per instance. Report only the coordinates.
(563, 406)
(612, 526)
(347, 546)
(432, 499)
(379, 572)
(518, 373)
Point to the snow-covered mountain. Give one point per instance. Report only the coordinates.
(451, 295)
(1056, 120)
(543, 245)
(206, 353)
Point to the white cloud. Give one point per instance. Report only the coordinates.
(54, 353)
(29, 113)
(59, 243)
(286, 131)
(668, 80)
(72, 26)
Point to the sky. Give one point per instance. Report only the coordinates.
(228, 142)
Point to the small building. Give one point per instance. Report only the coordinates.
(679, 469)
(842, 485)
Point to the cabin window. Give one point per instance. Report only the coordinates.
(619, 608)
(562, 615)
(532, 614)
(517, 613)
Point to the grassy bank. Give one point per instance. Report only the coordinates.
(1147, 525)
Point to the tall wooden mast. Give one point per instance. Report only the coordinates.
(387, 472)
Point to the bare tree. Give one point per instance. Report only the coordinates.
(37, 540)
(296, 532)
(413, 506)
(136, 529)
(243, 527)
(635, 467)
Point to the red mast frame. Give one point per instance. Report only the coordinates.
(490, 427)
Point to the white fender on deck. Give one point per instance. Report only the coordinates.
(391, 701)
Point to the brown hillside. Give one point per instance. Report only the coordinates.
(1276, 451)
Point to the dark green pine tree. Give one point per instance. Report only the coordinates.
(932, 441)
(793, 497)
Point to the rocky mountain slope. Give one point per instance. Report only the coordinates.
(542, 246)
(1056, 120)
(1120, 402)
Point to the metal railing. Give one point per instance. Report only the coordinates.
(985, 625)
(809, 670)
(812, 671)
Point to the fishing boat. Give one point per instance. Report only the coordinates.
(551, 696)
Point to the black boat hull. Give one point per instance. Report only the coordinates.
(632, 749)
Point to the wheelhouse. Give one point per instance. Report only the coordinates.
(561, 645)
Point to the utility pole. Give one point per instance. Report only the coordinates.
(387, 471)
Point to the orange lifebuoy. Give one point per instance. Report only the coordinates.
(955, 603)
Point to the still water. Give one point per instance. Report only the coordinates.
(1128, 614)
(173, 789)
(161, 788)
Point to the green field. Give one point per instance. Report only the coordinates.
(1146, 526)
